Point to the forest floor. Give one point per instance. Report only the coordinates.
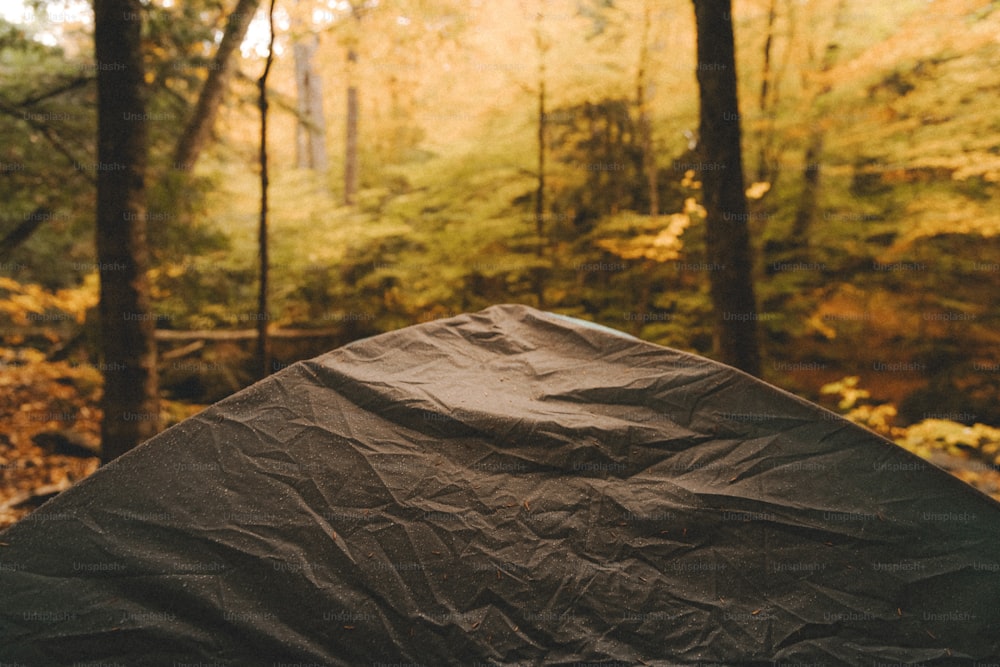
(49, 430)
(50, 425)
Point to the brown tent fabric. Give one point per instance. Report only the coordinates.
(509, 487)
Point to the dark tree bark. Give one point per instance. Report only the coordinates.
(130, 402)
(263, 342)
(199, 127)
(727, 235)
(805, 210)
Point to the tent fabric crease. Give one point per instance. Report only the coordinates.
(508, 487)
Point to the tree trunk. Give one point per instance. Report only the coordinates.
(130, 403)
(351, 152)
(645, 125)
(199, 127)
(766, 122)
(727, 236)
(310, 130)
(805, 212)
(263, 344)
(540, 187)
(538, 277)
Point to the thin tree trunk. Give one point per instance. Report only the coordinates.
(310, 129)
(772, 147)
(538, 278)
(805, 212)
(130, 401)
(727, 236)
(23, 231)
(766, 123)
(303, 155)
(645, 125)
(540, 187)
(263, 344)
(199, 126)
(351, 150)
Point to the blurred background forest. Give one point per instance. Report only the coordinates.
(404, 150)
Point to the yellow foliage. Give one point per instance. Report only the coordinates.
(952, 437)
(878, 418)
(689, 180)
(848, 390)
(692, 207)
(971, 453)
(661, 247)
(758, 190)
(816, 323)
(24, 300)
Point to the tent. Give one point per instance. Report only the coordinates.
(509, 487)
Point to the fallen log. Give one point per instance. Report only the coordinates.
(241, 334)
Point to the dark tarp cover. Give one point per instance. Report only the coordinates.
(509, 487)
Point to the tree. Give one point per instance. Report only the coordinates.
(48, 100)
(642, 90)
(358, 9)
(351, 142)
(727, 237)
(766, 84)
(130, 402)
(263, 347)
(199, 126)
(809, 197)
(310, 130)
(542, 48)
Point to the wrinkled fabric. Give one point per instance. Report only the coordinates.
(509, 487)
